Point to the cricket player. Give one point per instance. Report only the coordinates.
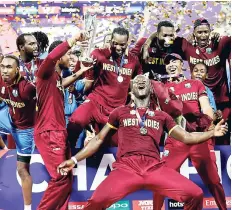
(50, 127)
(194, 97)
(17, 118)
(138, 164)
(112, 74)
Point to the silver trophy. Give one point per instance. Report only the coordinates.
(90, 25)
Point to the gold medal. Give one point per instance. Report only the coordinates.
(143, 131)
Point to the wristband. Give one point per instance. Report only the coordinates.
(71, 42)
(74, 159)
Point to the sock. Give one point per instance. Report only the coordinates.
(27, 207)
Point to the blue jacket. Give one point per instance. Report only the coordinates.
(211, 99)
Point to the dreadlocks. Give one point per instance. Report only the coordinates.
(42, 40)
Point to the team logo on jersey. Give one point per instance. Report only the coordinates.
(3, 90)
(187, 85)
(125, 61)
(133, 112)
(151, 113)
(153, 50)
(197, 52)
(209, 50)
(15, 93)
(166, 101)
(166, 153)
(111, 59)
(172, 88)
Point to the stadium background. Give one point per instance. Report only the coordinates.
(59, 19)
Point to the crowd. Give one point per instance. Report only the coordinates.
(135, 98)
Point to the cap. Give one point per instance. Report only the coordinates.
(201, 21)
(172, 56)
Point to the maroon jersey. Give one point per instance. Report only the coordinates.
(29, 70)
(107, 90)
(156, 55)
(166, 99)
(130, 141)
(20, 98)
(216, 62)
(50, 93)
(189, 91)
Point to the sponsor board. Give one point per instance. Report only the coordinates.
(120, 205)
(209, 203)
(172, 204)
(144, 205)
(76, 205)
(90, 174)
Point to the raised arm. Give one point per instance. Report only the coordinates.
(48, 65)
(198, 137)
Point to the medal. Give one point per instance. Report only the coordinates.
(117, 69)
(120, 78)
(143, 131)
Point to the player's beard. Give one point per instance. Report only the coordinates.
(29, 56)
(115, 54)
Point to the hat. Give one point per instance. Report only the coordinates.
(172, 56)
(201, 21)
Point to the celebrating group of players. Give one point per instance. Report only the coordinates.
(124, 105)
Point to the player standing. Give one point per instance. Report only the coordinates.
(50, 127)
(18, 119)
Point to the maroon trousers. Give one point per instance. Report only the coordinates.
(138, 172)
(87, 113)
(54, 149)
(203, 159)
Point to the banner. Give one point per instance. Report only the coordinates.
(91, 173)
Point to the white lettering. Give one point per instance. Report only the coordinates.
(36, 188)
(81, 173)
(106, 161)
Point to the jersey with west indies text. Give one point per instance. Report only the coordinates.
(108, 90)
(188, 91)
(130, 140)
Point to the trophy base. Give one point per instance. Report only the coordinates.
(86, 59)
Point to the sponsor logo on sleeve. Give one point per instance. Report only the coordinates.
(166, 153)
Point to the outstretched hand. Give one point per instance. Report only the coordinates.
(65, 167)
(85, 66)
(221, 128)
